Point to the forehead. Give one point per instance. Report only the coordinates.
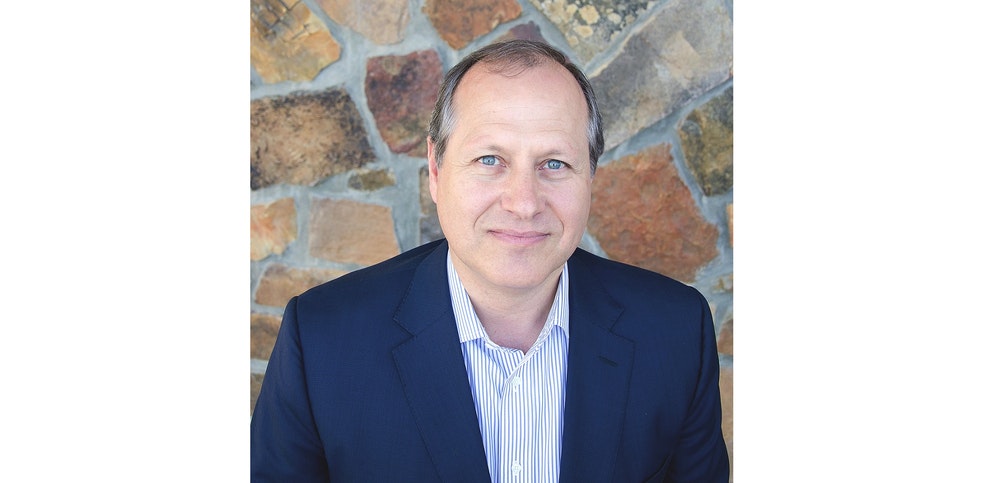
(546, 81)
(544, 98)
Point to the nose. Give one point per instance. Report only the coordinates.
(522, 194)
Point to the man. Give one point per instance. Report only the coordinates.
(504, 352)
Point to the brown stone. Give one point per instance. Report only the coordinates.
(725, 338)
(429, 227)
(528, 31)
(255, 384)
(589, 26)
(272, 228)
(682, 53)
(643, 214)
(279, 283)
(372, 180)
(459, 22)
(262, 335)
(288, 43)
(401, 92)
(725, 391)
(304, 138)
(706, 138)
(352, 232)
(382, 21)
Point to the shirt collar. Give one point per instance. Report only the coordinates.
(468, 324)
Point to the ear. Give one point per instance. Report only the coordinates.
(433, 171)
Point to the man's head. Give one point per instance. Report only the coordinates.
(512, 157)
(510, 57)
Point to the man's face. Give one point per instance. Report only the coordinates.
(514, 188)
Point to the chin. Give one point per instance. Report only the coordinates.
(522, 276)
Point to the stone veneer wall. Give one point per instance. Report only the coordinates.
(341, 93)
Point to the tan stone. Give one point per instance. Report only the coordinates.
(706, 138)
(352, 232)
(289, 43)
(683, 52)
(459, 22)
(279, 283)
(589, 14)
(272, 227)
(725, 338)
(643, 214)
(372, 180)
(590, 26)
(304, 138)
(382, 21)
(584, 31)
(725, 390)
(262, 335)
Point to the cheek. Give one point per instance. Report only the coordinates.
(574, 206)
(460, 201)
(579, 215)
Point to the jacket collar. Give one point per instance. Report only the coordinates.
(431, 367)
(599, 366)
(433, 374)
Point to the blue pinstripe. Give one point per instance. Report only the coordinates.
(519, 397)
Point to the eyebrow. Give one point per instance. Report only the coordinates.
(553, 152)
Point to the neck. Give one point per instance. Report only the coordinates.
(513, 317)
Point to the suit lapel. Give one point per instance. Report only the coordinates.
(431, 368)
(599, 366)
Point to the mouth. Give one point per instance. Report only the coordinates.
(520, 238)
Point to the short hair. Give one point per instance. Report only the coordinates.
(505, 57)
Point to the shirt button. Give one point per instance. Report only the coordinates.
(515, 383)
(516, 469)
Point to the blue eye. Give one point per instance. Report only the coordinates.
(488, 160)
(554, 164)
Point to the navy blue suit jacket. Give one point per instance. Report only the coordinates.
(367, 381)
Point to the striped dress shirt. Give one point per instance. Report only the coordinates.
(519, 397)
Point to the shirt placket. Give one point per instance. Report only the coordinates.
(517, 415)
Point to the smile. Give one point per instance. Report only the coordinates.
(521, 238)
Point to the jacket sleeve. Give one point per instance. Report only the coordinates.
(285, 445)
(701, 453)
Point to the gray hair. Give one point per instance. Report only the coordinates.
(511, 58)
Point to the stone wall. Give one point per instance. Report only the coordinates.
(342, 91)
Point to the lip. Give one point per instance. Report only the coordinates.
(521, 238)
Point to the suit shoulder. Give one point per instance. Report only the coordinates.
(619, 276)
(654, 309)
(388, 276)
